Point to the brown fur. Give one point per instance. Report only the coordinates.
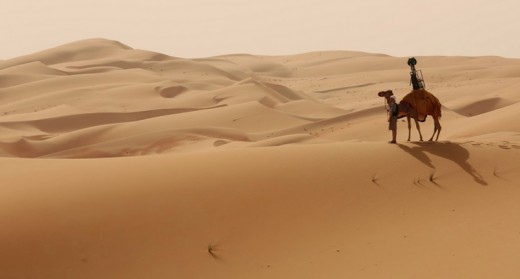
(418, 104)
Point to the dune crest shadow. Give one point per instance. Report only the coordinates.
(448, 150)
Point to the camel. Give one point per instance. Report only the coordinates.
(418, 104)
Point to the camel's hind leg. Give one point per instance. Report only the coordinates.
(417, 126)
(409, 126)
(437, 128)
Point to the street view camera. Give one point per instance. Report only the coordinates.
(416, 78)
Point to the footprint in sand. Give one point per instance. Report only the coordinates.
(218, 143)
(171, 91)
(474, 143)
(504, 145)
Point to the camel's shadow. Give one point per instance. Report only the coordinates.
(448, 150)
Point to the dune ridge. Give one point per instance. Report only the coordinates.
(104, 82)
(126, 163)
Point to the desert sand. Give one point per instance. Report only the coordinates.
(126, 163)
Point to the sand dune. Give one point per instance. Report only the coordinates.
(125, 163)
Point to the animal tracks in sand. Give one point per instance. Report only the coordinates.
(501, 144)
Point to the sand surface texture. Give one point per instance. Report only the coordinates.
(125, 163)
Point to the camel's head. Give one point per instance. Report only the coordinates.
(385, 94)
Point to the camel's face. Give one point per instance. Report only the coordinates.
(385, 94)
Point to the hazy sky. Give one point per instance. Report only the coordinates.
(200, 28)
